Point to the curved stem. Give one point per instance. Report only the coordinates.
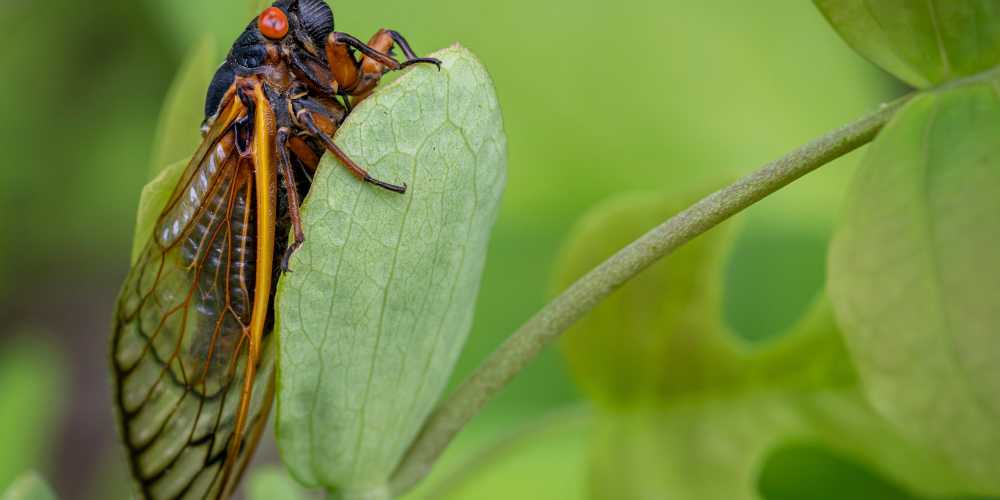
(577, 300)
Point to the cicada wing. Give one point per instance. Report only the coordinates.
(181, 340)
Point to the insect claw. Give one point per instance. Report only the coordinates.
(426, 60)
(385, 185)
(288, 256)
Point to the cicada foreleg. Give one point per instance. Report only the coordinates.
(372, 70)
(357, 78)
(400, 42)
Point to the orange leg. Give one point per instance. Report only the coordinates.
(350, 73)
(372, 70)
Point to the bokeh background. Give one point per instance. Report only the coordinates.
(599, 98)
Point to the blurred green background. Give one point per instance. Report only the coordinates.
(599, 98)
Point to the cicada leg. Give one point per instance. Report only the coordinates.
(303, 152)
(373, 70)
(307, 118)
(350, 73)
(401, 42)
(284, 137)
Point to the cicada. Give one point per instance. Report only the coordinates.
(192, 352)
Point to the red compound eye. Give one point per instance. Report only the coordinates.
(273, 23)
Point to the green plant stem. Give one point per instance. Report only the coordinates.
(572, 304)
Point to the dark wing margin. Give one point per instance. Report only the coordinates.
(191, 365)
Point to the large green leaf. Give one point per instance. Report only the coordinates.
(694, 411)
(660, 337)
(629, 368)
(381, 299)
(914, 274)
(715, 449)
(30, 486)
(922, 42)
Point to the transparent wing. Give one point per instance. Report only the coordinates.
(181, 338)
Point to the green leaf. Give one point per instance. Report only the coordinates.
(914, 274)
(32, 390)
(30, 486)
(178, 132)
(715, 449)
(775, 271)
(660, 337)
(922, 42)
(380, 302)
(694, 411)
(795, 471)
(628, 368)
(152, 201)
(270, 483)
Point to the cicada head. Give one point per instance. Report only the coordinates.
(309, 21)
(300, 23)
